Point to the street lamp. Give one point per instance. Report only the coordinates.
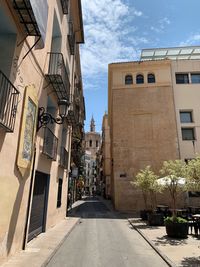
(44, 117)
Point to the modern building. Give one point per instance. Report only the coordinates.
(92, 145)
(41, 115)
(153, 114)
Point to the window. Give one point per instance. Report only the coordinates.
(139, 79)
(59, 195)
(195, 77)
(182, 78)
(151, 78)
(90, 143)
(186, 116)
(97, 143)
(129, 79)
(188, 133)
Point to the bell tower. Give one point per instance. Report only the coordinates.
(92, 125)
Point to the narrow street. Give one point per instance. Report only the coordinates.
(103, 239)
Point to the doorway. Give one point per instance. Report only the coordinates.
(39, 205)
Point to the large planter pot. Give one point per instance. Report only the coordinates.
(155, 219)
(177, 230)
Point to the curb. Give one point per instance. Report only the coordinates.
(163, 256)
(59, 245)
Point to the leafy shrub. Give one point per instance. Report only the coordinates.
(174, 220)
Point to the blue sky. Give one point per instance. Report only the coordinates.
(117, 30)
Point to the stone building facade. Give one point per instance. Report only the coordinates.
(92, 145)
(40, 75)
(105, 160)
(153, 116)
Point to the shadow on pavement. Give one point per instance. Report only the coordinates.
(94, 207)
(191, 261)
(165, 240)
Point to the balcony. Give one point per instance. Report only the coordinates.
(73, 112)
(78, 132)
(50, 144)
(26, 17)
(8, 103)
(71, 38)
(57, 75)
(65, 5)
(64, 155)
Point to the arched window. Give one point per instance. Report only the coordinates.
(90, 143)
(129, 79)
(139, 79)
(151, 78)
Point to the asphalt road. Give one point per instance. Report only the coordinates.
(104, 239)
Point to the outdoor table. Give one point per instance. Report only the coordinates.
(180, 212)
(194, 209)
(163, 209)
(162, 206)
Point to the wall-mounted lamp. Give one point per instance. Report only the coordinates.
(44, 117)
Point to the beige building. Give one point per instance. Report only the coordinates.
(92, 145)
(105, 160)
(41, 114)
(153, 116)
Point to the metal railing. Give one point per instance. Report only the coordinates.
(73, 113)
(26, 17)
(65, 6)
(71, 38)
(64, 155)
(50, 144)
(58, 76)
(8, 103)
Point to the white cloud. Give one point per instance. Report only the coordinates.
(192, 40)
(136, 12)
(109, 34)
(161, 25)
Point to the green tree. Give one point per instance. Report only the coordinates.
(193, 174)
(174, 170)
(146, 180)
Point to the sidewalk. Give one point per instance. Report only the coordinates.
(41, 249)
(177, 252)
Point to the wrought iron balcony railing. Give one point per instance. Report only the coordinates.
(8, 103)
(26, 17)
(57, 75)
(50, 144)
(71, 38)
(64, 155)
(73, 112)
(65, 6)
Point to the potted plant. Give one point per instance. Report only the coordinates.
(175, 182)
(146, 181)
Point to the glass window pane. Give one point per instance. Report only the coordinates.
(186, 116)
(151, 78)
(139, 79)
(182, 78)
(128, 79)
(187, 133)
(195, 77)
